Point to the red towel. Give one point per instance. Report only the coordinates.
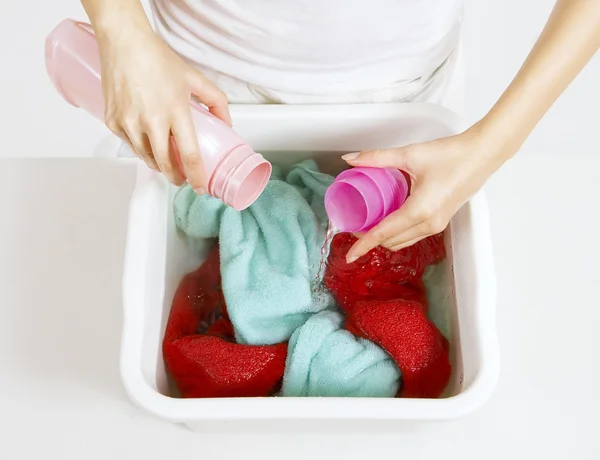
(199, 346)
(401, 328)
(381, 274)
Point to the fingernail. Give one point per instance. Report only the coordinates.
(351, 259)
(200, 191)
(351, 156)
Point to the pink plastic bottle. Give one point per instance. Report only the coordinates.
(360, 198)
(236, 174)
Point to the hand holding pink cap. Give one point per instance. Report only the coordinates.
(361, 197)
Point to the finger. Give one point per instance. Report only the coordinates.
(140, 145)
(408, 243)
(416, 232)
(211, 96)
(118, 131)
(174, 154)
(431, 225)
(189, 153)
(393, 225)
(384, 158)
(159, 141)
(125, 139)
(149, 161)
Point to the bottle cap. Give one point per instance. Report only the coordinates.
(240, 177)
(361, 197)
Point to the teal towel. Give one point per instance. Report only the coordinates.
(270, 253)
(326, 360)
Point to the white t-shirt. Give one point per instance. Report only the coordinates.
(306, 51)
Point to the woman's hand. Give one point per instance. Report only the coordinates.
(447, 172)
(444, 174)
(147, 89)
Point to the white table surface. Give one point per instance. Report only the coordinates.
(62, 236)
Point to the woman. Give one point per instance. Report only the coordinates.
(310, 51)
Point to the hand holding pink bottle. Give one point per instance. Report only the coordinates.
(147, 89)
(211, 156)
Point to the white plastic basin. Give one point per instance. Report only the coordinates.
(157, 256)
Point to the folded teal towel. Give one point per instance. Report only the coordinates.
(326, 360)
(270, 253)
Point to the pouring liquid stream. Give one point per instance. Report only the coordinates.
(331, 232)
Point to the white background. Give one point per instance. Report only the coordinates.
(61, 249)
